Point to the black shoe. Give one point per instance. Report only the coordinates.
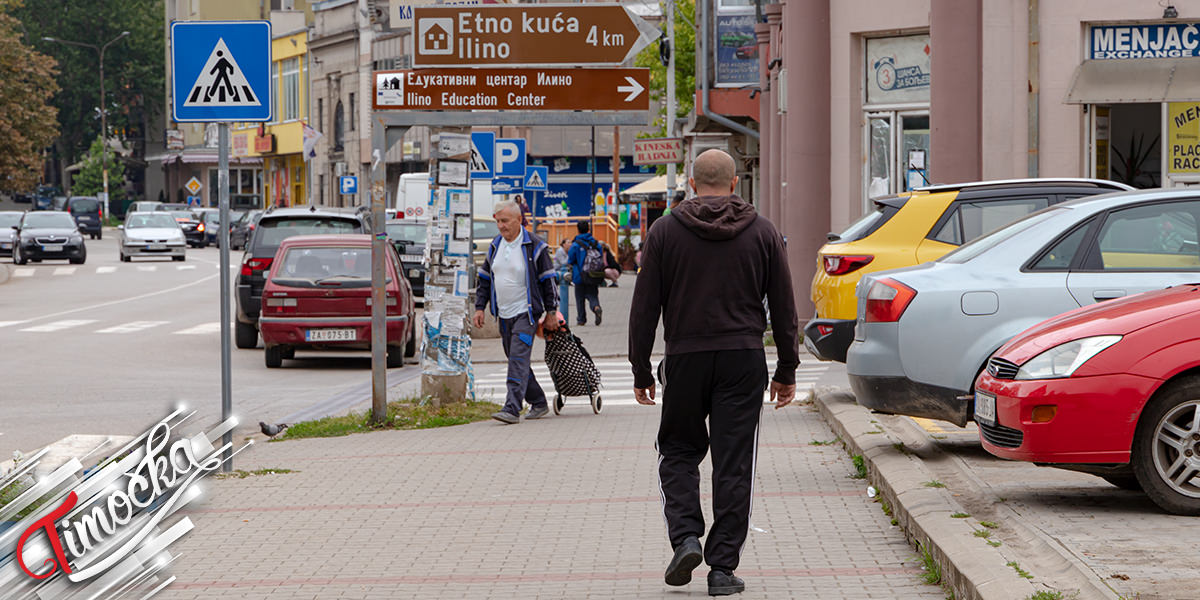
(721, 583)
(536, 412)
(506, 417)
(687, 557)
(581, 324)
(599, 313)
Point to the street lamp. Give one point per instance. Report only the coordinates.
(103, 109)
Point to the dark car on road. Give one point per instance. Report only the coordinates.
(242, 229)
(193, 228)
(8, 220)
(319, 298)
(48, 235)
(274, 226)
(408, 238)
(88, 213)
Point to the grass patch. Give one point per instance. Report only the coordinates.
(410, 413)
(934, 484)
(1047, 595)
(994, 543)
(982, 533)
(240, 474)
(960, 515)
(901, 448)
(887, 508)
(825, 443)
(860, 467)
(15, 489)
(1023, 573)
(933, 571)
(989, 524)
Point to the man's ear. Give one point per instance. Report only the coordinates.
(733, 185)
(692, 184)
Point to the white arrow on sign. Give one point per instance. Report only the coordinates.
(634, 88)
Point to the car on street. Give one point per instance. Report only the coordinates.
(243, 228)
(211, 217)
(45, 235)
(89, 214)
(317, 296)
(408, 239)
(1111, 389)
(8, 220)
(193, 228)
(275, 226)
(170, 206)
(483, 231)
(924, 333)
(917, 227)
(151, 234)
(143, 206)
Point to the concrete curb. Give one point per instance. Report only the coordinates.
(971, 568)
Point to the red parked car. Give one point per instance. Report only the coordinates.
(1111, 389)
(318, 297)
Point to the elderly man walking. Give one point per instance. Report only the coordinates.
(517, 279)
(706, 268)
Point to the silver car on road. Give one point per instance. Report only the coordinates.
(925, 333)
(151, 234)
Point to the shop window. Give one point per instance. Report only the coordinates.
(290, 80)
(353, 113)
(339, 126)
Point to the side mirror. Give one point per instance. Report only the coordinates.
(120, 227)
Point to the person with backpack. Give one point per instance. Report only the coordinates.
(587, 272)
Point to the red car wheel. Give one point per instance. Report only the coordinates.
(1166, 447)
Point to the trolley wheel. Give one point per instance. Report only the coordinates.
(597, 403)
(558, 404)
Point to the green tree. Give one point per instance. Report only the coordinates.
(685, 67)
(90, 180)
(27, 119)
(134, 67)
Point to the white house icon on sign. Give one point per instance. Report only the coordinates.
(436, 35)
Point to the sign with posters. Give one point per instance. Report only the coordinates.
(735, 52)
(1183, 137)
(897, 69)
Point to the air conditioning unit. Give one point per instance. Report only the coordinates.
(339, 169)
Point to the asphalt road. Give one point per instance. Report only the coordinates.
(106, 347)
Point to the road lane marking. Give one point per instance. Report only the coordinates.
(26, 272)
(132, 326)
(147, 267)
(7, 323)
(123, 300)
(185, 267)
(58, 325)
(202, 329)
(64, 270)
(103, 270)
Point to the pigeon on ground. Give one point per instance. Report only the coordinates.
(272, 430)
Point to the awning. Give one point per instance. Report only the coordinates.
(210, 157)
(654, 185)
(1136, 80)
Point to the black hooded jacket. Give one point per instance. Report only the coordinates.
(706, 268)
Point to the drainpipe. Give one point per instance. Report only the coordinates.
(704, 41)
(1034, 92)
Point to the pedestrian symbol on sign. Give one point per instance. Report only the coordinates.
(221, 82)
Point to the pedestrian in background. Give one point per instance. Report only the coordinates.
(706, 268)
(562, 266)
(517, 279)
(584, 249)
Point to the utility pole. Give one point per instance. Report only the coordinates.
(670, 94)
(103, 108)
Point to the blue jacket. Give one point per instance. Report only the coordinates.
(576, 256)
(540, 287)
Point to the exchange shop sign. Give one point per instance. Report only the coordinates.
(1183, 137)
(1152, 40)
(513, 89)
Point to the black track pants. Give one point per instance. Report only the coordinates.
(726, 387)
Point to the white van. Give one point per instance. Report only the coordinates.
(412, 196)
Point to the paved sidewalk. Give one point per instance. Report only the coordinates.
(565, 507)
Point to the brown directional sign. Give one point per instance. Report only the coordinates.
(528, 34)
(513, 89)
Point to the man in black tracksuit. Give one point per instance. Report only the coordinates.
(706, 268)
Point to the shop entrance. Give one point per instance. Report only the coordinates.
(1127, 143)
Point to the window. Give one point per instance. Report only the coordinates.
(353, 113)
(970, 220)
(290, 80)
(339, 126)
(275, 110)
(321, 115)
(1160, 237)
(951, 230)
(980, 245)
(321, 187)
(1060, 255)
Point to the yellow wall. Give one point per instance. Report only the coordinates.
(283, 47)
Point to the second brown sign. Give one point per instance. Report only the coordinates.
(513, 89)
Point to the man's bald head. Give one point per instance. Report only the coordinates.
(713, 173)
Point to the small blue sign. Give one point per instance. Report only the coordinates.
(348, 184)
(483, 154)
(510, 157)
(507, 185)
(221, 71)
(535, 178)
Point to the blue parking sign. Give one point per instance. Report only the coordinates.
(510, 157)
(221, 71)
(348, 184)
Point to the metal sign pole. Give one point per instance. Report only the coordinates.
(226, 326)
(378, 295)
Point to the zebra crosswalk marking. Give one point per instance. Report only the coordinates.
(203, 328)
(58, 325)
(132, 326)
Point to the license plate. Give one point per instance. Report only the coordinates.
(330, 335)
(157, 247)
(414, 272)
(414, 257)
(5, 245)
(985, 408)
(52, 248)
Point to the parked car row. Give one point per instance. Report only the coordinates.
(1069, 335)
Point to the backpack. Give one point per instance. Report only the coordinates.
(594, 261)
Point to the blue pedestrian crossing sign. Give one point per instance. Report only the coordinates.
(348, 184)
(483, 152)
(535, 178)
(221, 71)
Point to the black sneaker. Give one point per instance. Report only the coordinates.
(599, 313)
(506, 417)
(687, 557)
(723, 583)
(536, 412)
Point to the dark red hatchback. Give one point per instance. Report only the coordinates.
(318, 297)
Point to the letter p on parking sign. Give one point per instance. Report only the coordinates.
(510, 157)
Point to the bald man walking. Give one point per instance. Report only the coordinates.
(706, 268)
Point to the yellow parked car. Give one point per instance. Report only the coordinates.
(914, 228)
